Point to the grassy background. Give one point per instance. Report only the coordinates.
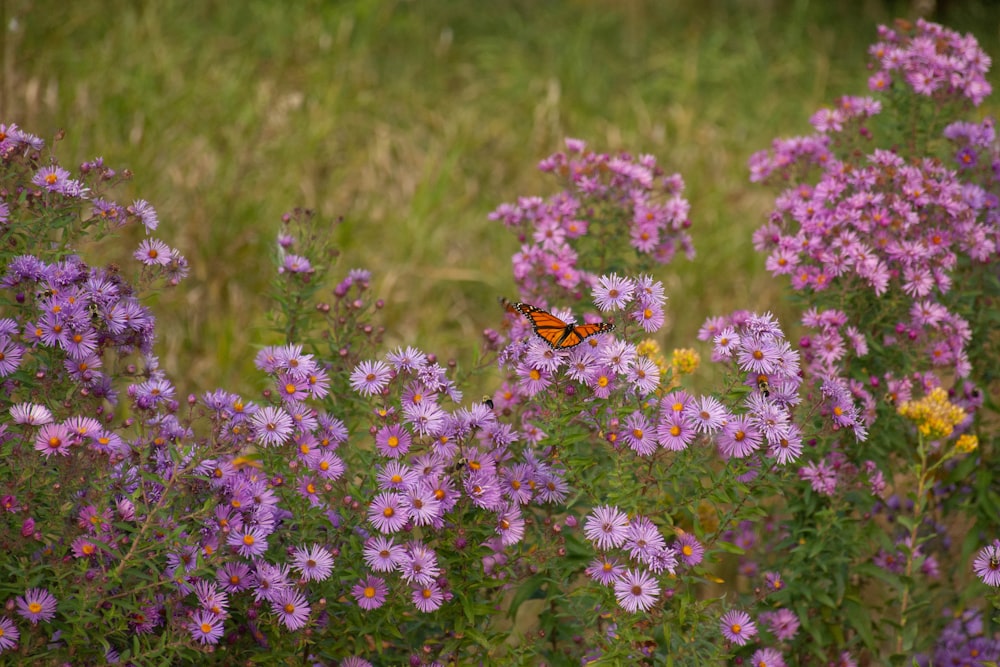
(413, 120)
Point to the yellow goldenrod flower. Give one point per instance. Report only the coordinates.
(935, 416)
(966, 443)
(685, 361)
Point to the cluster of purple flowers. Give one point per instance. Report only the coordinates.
(36, 605)
(636, 589)
(932, 60)
(885, 226)
(607, 197)
(434, 462)
(601, 364)
(81, 312)
(755, 347)
(964, 641)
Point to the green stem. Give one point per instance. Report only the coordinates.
(923, 476)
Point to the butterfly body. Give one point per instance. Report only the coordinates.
(557, 334)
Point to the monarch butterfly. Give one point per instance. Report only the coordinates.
(557, 334)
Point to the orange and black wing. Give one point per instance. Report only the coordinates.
(507, 305)
(556, 333)
(581, 333)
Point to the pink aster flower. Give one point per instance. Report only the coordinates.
(53, 439)
(606, 526)
(428, 597)
(31, 414)
(205, 627)
(383, 555)
(37, 604)
(737, 627)
(271, 426)
(388, 512)
(249, 541)
(636, 591)
(291, 608)
(315, 563)
(370, 377)
(9, 634)
(370, 593)
(987, 565)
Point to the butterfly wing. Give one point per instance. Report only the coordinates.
(577, 335)
(556, 333)
(507, 305)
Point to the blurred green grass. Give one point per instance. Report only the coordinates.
(413, 120)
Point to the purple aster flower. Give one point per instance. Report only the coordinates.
(396, 476)
(675, 432)
(660, 560)
(383, 555)
(355, 661)
(783, 623)
(606, 526)
(510, 525)
(757, 355)
(987, 565)
(205, 627)
(532, 379)
(689, 549)
(315, 563)
(650, 316)
(773, 581)
(329, 466)
(636, 590)
(143, 210)
(83, 548)
(518, 482)
(210, 598)
(643, 538)
(52, 177)
(605, 570)
(737, 627)
(821, 477)
(370, 377)
(789, 447)
(485, 489)
(767, 657)
(271, 580)
(9, 634)
(387, 512)
(419, 564)
(739, 438)
(393, 440)
(422, 505)
(53, 439)
(428, 597)
(37, 604)
(291, 608)
(31, 414)
(370, 593)
(644, 375)
(271, 426)
(427, 418)
(249, 541)
(639, 434)
(235, 577)
(707, 413)
(10, 356)
(153, 252)
(409, 360)
(295, 264)
(613, 292)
